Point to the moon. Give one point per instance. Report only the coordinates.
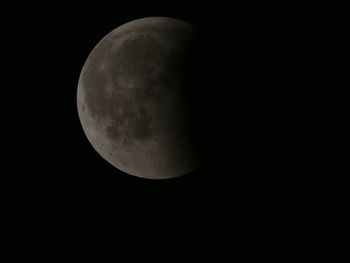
(132, 101)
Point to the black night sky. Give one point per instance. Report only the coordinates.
(270, 113)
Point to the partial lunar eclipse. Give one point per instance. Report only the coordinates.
(132, 98)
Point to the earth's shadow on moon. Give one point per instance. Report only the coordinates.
(147, 80)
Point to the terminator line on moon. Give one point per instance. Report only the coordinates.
(131, 98)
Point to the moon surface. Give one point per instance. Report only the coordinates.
(132, 100)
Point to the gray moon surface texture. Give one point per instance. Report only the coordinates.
(131, 98)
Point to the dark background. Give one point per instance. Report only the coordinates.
(270, 103)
